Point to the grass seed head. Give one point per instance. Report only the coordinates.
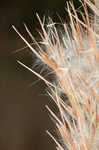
(73, 56)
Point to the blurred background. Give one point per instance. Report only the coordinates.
(23, 116)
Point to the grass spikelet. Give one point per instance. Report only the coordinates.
(74, 59)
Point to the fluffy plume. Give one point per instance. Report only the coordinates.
(73, 56)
